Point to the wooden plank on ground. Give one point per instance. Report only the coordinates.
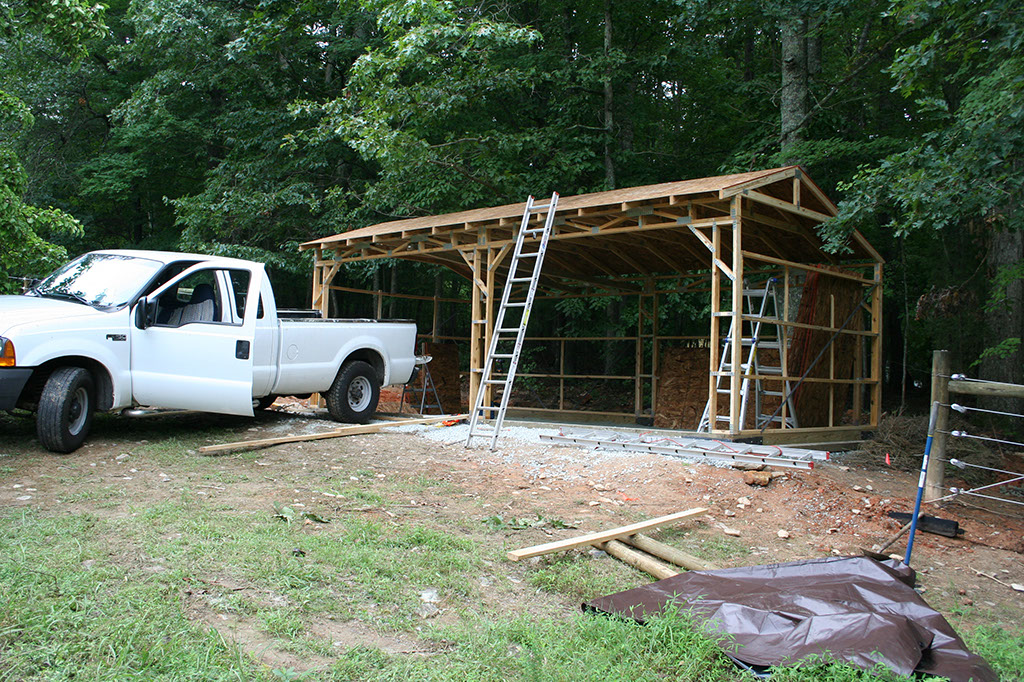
(602, 536)
(638, 560)
(669, 554)
(355, 430)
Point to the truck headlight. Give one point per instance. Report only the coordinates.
(7, 358)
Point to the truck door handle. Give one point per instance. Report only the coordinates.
(242, 350)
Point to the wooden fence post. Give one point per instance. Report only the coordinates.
(933, 480)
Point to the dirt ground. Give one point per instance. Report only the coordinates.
(838, 508)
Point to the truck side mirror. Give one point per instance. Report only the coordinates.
(145, 311)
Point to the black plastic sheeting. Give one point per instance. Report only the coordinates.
(852, 609)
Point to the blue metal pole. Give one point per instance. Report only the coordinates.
(920, 481)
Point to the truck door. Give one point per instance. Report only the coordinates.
(192, 339)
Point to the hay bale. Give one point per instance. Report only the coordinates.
(825, 300)
(682, 387)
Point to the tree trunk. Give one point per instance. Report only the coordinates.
(793, 101)
(1005, 321)
(609, 100)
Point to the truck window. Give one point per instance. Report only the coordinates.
(193, 299)
(240, 286)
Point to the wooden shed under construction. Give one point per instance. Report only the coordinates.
(805, 323)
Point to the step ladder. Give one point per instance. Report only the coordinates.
(755, 299)
(499, 370)
(425, 391)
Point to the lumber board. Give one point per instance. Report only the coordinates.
(645, 563)
(669, 554)
(355, 430)
(987, 388)
(602, 536)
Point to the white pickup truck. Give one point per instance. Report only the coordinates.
(117, 329)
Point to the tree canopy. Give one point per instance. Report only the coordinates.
(246, 128)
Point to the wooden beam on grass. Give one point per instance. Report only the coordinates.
(639, 560)
(355, 430)
(669, 554)
(602, 536)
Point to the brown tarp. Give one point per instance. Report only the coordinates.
(853, 609)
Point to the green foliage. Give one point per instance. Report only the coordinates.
(1002, 648)
(24, 252)
(247, 129)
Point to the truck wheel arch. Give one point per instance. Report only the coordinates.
(102, 380)
(370, 357)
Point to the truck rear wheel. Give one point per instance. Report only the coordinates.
(65, 409)
(354, 394)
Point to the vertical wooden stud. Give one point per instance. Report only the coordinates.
(832, 363)
(735, 379)
(933, 477)
(561, 373)
(784, 336)
(489, 312)
(876, 349)
(714, 342)
(654, 357)
(476, 327)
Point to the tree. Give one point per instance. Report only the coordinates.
(965, 173)
(65, 25)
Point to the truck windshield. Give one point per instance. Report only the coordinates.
(104, 280)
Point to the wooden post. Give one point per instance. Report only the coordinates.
(654, 357)
(638, 362)
(735, 380)
(715, 345)
(934, 476)
(318, 274)
(488, 264)
(561, 372)
(435, 335)
(876, 349)
(832, 363)
(477, 329)
(784, 336)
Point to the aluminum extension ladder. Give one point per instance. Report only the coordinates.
(507, 336)
(755, 299)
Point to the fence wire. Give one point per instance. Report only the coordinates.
(1014, 477)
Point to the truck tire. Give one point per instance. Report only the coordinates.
(354, 394)
(65, 409)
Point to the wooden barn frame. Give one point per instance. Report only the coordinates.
(704, 235)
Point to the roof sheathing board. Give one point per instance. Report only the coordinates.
(595, 203)
(661, 212)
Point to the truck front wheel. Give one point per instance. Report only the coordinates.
(354, 394)
(65, 409)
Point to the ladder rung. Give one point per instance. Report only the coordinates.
(501, 355)
(518, 304)
(775, 394)
(769, 370)
(495, 381)
(529, 254)
(514, 330)
(533, 230)
(520, 279)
